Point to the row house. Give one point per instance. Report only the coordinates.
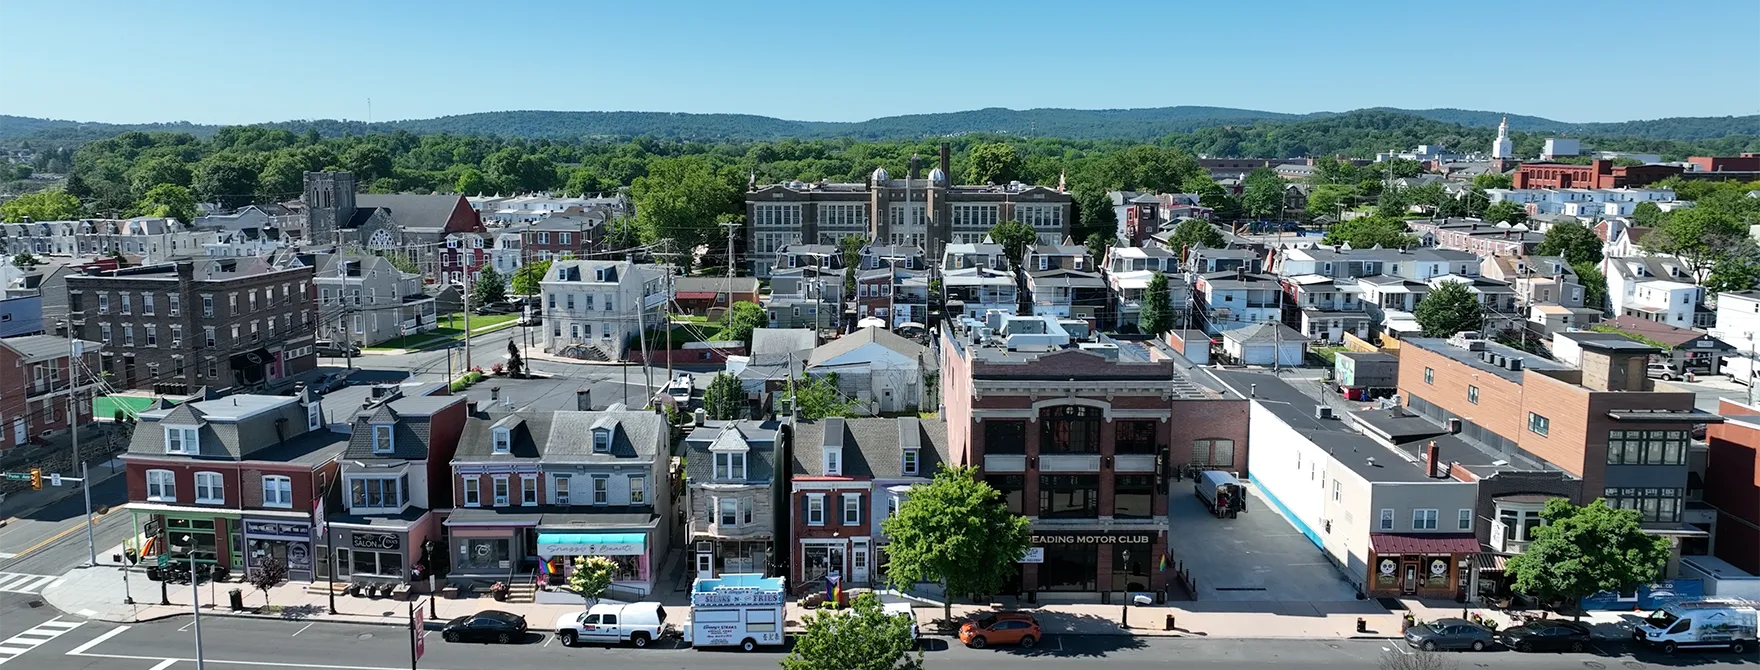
(805, 297)
(395, 485)
(247, 242)
(367, 300)
(898, 295)
(824, 256)
(507, 253)
(966, 255)
(152, 239)
(1128, 271)
(243, 323)
(1081, 444)
(1140, 215)
(569, 234)
(974, 291)
(848, 477)
(534, 487)
(1656, 288)
(1205, 260)
(33, 399)
(734, 500)
(464, 255)
(234, 480)
(1236, 299)
(1071, 294)
(1325, 308)
(537, 206)
(1477, 237)
(600, 306)
(1065, 256)
(699, 295)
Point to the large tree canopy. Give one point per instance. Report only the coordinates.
(1450, 308)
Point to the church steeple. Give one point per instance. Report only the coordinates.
(1503, 147)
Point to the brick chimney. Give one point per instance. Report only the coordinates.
(1432, 457)
(944, 163)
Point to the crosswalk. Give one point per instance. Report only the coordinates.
(16, 582)
(17, 645)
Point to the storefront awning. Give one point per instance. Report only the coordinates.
(1384, 544)
(1490, 562)
(592, 544)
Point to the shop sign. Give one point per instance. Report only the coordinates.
(1034, 555)
(737, 596)
(280, 530)
(1385, 569)
(591, 549)
(385, 541)
(1094, 538)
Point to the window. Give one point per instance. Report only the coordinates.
(1653, 504)
(638, 490)
(1429, 376)
(208, 306)
(1539, 425)
(602, 441)
(277, 491)
(1472, 394)
(815, 509)
(559, 489)
(1069, 496)
(209, 488)
(1423, 519)
(378, 492)
(1386, 519)
(501, 487)
(127, 304)
(1646, 447)
(103, 303)
(127, 335)
(176, 336)
(383, 442)
(161, 486)
(1133, 496)
(1072, 429)
(1013, 489)
(175, 304)
(473, 492)
(503, 440)
(730, 465)
(601, 490)
(152, 335)
(910, 462)
(1213, 452)
(1335, 490)
(729, 512)
(852, 509)
(833, 462)
(104, 332)
(232, 303)
(1465, 520)
(181, 440)
(1135, 437)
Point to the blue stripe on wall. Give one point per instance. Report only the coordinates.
(1293, 519)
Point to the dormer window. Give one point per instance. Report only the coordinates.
(383, 442)
(834, 462)
(730, 466)
(182, 440)
(602, 441)
(911, 462)
(503, 441)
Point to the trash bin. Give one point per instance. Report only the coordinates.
(1169, 622)
(236, 598)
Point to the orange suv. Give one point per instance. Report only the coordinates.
(1000, 628)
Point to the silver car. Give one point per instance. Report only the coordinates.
(1449, 634)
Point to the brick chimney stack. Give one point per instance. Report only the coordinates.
(1432, 456)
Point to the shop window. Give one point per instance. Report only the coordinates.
(1069, 496)
(364, 562)
(1136, 437)
(1005, 437)
(209, 488)
(1013, 489)
(1133, 496)
(277, 491)
(480, 554)
(1130, 567)
(1069, 429)
(1070, 567)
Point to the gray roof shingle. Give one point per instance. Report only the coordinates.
(871, 446)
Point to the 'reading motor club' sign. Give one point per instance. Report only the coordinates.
(1093, 538)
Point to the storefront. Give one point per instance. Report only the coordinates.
(631, 551)
(379, 551)
(1091, 564)
(490, 542)
(214, 538)
(1431, 566)
(285, 540)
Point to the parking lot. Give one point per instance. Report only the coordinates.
(1256, 557)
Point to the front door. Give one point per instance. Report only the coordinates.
(19, 433)
(1409, 584)
(705, 565)
(858, 566)
(886, 401)
(837, 562)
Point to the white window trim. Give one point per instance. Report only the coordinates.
(1424, 516)
(217, 486)
(1386, 521)
(721, 512)
(598, 481)
(528, 484)
(632, 488)
(815, 500)
(1464, 519)
(275, 483)
(562, 485)
(185, 445)
(473, 492)
(501, 489)
(389, 444)
(503, 440)
(851, 502)
(167, 486)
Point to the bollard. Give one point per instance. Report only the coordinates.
(1169, 622)
(1362, 626)
(1125, 617)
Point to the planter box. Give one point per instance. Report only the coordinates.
(449, 592)
(400, 592)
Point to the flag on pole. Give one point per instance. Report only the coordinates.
(1164, 562)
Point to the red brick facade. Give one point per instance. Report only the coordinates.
(1732, 485)
(1597, 174)
(33, 397)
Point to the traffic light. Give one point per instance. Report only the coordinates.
(36, 479)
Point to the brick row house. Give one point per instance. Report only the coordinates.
(232, 480)
(847, 477)
(733, 491)
(33, 400)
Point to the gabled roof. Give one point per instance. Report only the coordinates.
(872, 447)
(429, 212)
(1664, 333)
(1264, 333)
(635, 436)
(864, 337)
(758, 437)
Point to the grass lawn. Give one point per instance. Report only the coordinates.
(455, 321)
(681, 334)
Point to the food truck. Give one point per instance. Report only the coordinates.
(736, 610)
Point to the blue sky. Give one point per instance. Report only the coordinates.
(243, 61)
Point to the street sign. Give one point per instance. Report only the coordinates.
(18, 476)
(415, 627)
(54, 479)
(164, 560)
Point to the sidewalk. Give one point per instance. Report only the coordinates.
(1603, 624)
(24, 503)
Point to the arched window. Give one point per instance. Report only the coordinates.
(1069, 429)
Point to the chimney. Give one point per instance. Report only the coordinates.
(916, 165)
(944, 163)
(698, 417)
(583, 400)
(470, 407)
(1432, 456)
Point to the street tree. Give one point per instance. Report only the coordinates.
(1156, 316)
(167, 200)
(591, 576)
(268, 573)
(42, 206)
(680, 198)
(25, 261)
(1504, 211)
(1211, 194)
(741, 320)
(864, 637)
(1367, 232)
(624, 232)
(1015, 237)
(850, 247)
(1594, 284)
(993, 163)
(1581, 551)
(725, 398)
(1330, 200)
(489, 287)
(818, 398)
(1646, 215)
(1193, 232)
(1572, 240)
(1449, 309)
(1262, 196)
(516, 364)
(957, 532)
(1097, 244)
(528, 279)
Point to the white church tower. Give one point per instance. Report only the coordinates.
(1503, 147)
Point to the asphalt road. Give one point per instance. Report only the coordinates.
(260, 643)
(51, 540)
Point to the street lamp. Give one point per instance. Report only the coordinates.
(195, 597)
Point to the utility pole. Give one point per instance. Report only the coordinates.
(74, 352)
(641, 328)
(346, 340)
(731, 227)
(467, 320)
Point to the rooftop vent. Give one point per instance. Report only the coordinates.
(1322, 412)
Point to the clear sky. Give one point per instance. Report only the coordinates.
(243, 61)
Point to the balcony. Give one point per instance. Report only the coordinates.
(41, 388)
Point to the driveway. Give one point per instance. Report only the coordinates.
(1256, 557)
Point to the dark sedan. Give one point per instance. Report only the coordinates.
(1546, 636)
(485, 626)
(1449, 634)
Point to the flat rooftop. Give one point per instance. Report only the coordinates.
(1530, 361)
(1363, 455)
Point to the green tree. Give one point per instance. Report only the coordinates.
(1594, 285)
(1211, 194)
(150, 172)
(864, 637)
(1491, 180)
(1450, 308)
(489, 287)
(1739, 272)
(268, 573)
(24, 260)
(1156, 316)
(850, 247)
(1504, 211)
(1700, 237)
(169, 200)
(368, 162)
(583, 180)
(226, 179)
(1193, 232)
(680, 198)
(993, 163)
(1368, 231)
(1574, 241)
(1262, 196)
(404, 263)
(1326, 199)
(957, 532)
(471, 182)
(1646, 214)
(1400, 168)
(529, 278)
(1097, 244)
(725, 398)
(1015, 237)
(1581, 551)
(591, 576)
(741, 320)
(623, 233)
(818, 398)
(41, 206)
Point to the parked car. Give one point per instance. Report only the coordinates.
(635, 623)
(485, 626)
(335, 349)
(1546, 636)
(1662, 371)
(1000, 628)
(1449, 634)
(334, 381)
(904, 610)
(497, 308)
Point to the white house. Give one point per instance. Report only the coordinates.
(1264, 344)
(1656, 288)
(875, 367)
(597, 306)
(1738, 319)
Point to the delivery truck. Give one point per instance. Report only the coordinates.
(1725, 623)
(736, 610)
(1221, 492)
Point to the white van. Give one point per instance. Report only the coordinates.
(1700, 623)
(635, 623)
(903, 610)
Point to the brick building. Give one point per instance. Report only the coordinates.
(1732, 485)
(848, 476)
(1081, 442)
(1597, 174)
(1746, 162)
(33, 398)
(239, 323)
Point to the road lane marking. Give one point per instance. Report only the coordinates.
(69, 531)
(4, 555)
(101, 639)
(260, 664)
(18, 582)
(165, 664)
(35, 637)
(186, 626)
(302, 630)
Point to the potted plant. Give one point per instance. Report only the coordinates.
(499, 591)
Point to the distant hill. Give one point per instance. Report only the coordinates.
(1127, 124)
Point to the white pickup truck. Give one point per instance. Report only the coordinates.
(635, 623)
